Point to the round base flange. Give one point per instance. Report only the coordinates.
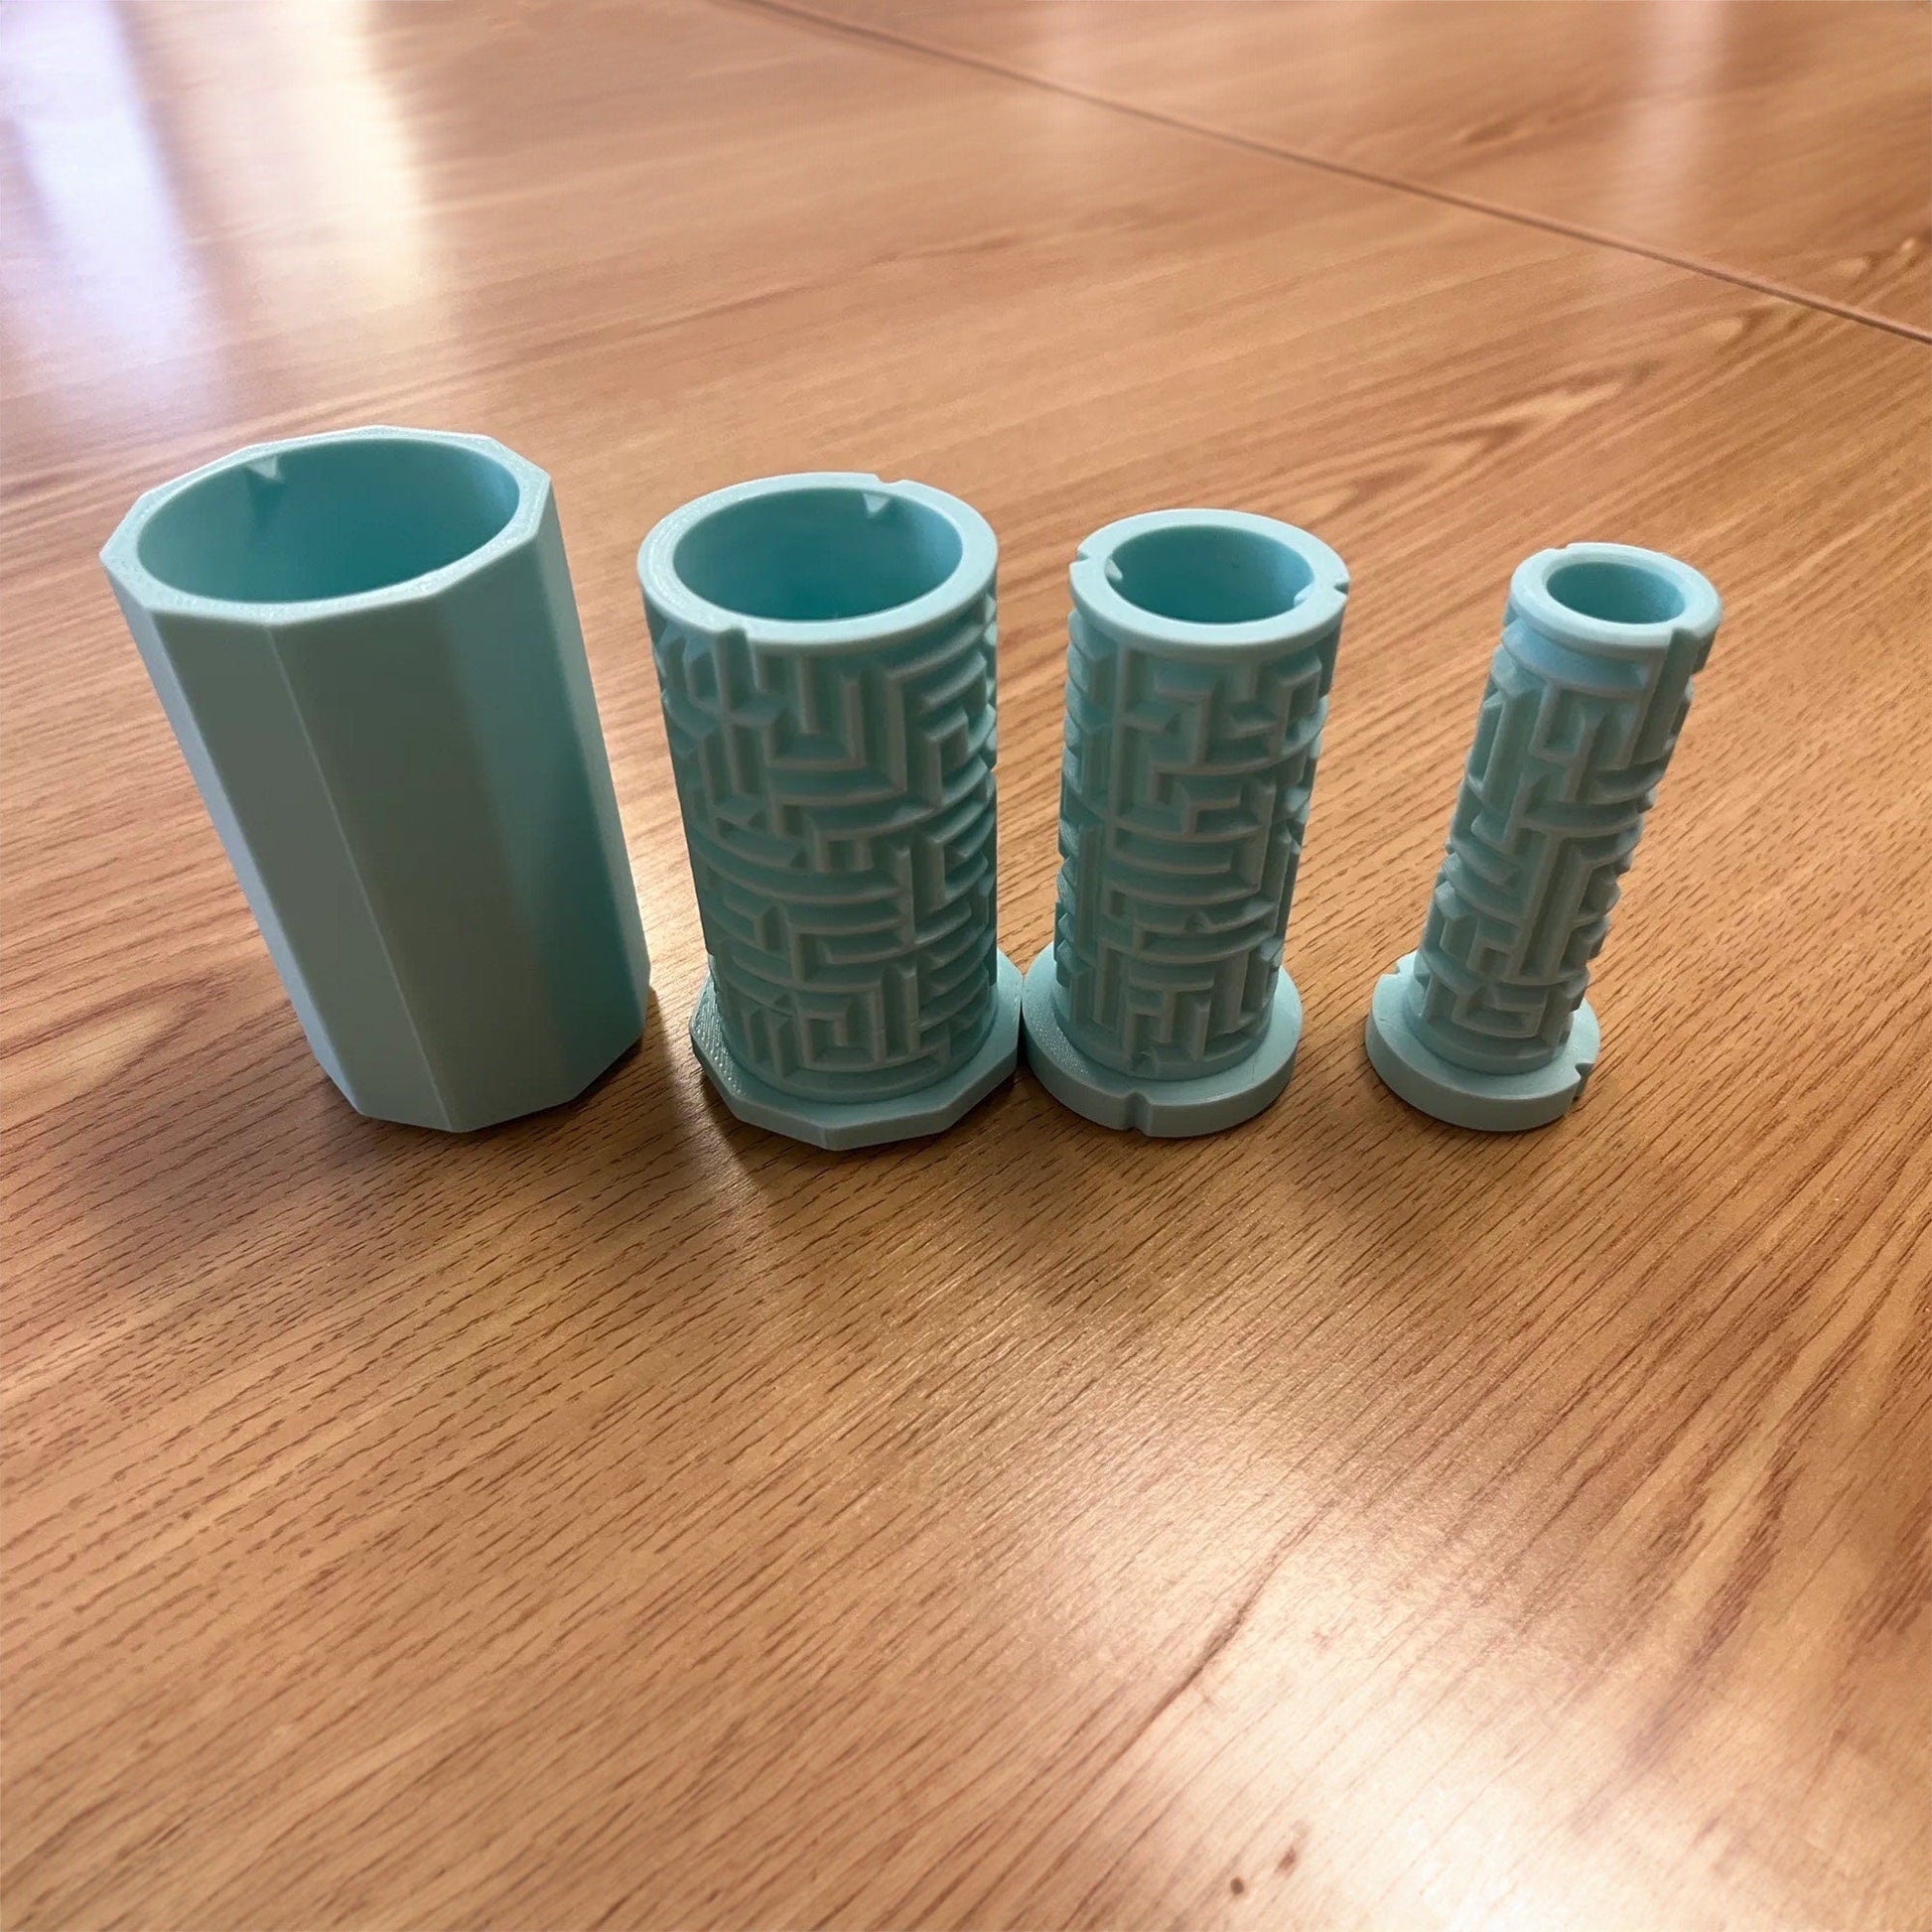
(1164, 1109)
(1498, 1103)
(842, 1123)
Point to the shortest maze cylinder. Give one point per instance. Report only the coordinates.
(825, 647)
(1485, 1024)
(1202, 646)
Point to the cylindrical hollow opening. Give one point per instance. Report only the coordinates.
(1613, 592)
(817, 554)
(327, 519)
(1205, 573)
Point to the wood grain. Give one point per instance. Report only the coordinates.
(626, 1518)
(1786, 142)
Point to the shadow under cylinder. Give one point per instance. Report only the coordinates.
(825, 646)
(1485, 1024)
(369, 650)
(1202, 646)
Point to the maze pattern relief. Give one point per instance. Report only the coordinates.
(1565, 766)
(839, 809)
(1184, 798)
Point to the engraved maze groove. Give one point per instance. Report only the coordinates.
(839, 809)
(1184, 801)
(1548, 815)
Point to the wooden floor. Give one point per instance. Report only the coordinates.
(630, 1519)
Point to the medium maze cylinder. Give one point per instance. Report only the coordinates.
(1486, 1025)
(825, 647)
(1200, 650)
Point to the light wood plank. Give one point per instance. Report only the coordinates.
(1784, 141)
(628, 1518)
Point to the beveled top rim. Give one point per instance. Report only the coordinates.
(1317, 609)
(969, 578)
(120, 556)
(1699, 609)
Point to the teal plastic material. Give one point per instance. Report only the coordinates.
(1201, 647)
(825, 646)
(1486, 1025)
(369, 650)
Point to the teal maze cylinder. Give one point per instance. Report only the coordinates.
(825, 648)
(1202, 646)
(1587, 693)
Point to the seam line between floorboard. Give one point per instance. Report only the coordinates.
(1398, 184)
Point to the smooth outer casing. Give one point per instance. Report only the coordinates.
(1201, 647)
(1485, 1024)
(369, 650)
(825, 646)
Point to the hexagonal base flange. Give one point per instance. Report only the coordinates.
(1496, 1103)
(843, 1124)
(1162, 1109)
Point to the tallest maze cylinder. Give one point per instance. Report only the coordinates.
(825, 647)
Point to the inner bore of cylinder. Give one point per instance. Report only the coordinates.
(1615, 592)
(817, 554)
(327, 519)
(1204, 573)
